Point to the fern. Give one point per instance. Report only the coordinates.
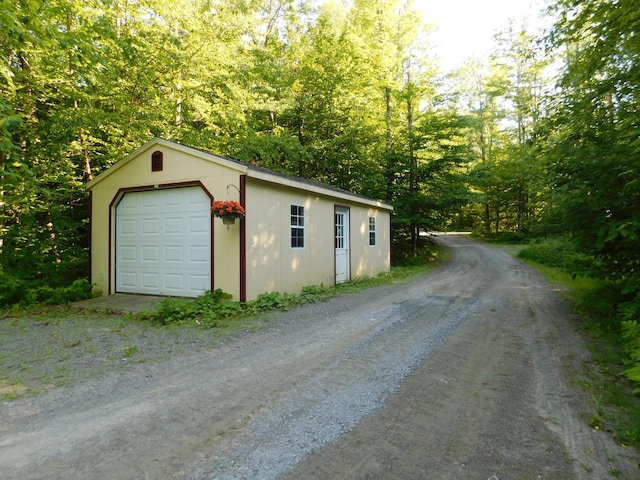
(631, 336)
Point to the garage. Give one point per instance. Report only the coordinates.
(163, 242)
(152, 231)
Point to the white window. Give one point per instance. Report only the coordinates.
(297, 226)
(372, 231)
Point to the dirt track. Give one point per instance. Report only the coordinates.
(462, 374)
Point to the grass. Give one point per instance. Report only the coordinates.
(44, 346)
(615, 406)
(215, 310)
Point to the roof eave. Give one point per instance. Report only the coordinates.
(315, 188)
(154, 142)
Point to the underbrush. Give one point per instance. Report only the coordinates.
(214, 309)
(562, 254)
(611, 318)
(16, 291)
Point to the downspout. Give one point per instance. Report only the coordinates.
(243, 240)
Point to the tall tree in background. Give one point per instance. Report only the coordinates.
(505, 102)
(84, 82)
(477, 93)
(592, 135)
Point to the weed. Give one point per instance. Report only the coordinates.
(118, 325)
(129, 351)
(214, 309)
(612, 347)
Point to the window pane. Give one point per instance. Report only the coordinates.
(297, 226)
(372, 231)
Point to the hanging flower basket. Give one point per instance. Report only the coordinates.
(228, 210)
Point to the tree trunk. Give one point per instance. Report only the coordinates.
(389, 144)
(413, 166)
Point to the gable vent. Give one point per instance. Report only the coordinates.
(156, 161)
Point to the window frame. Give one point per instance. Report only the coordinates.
(372, 232)
(297, 226)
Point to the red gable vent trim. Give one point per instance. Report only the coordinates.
(156, 161)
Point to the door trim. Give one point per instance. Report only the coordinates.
(347, 233)
(112, 228)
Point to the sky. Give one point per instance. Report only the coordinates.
(465, 28)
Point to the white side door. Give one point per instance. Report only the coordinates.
(341, 233)
(163, 242)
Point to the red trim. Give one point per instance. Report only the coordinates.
(157, 161)
(142, 188)
(243, 240)
(90, 234)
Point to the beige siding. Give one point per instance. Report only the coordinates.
(369, 260)
(272, 265)
(179, 167)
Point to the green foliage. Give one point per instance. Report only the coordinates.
(631, 336)
(12, 290)
(86, 82)
(614, 343)
(18, 291)
(215, 310)
(590, 135)
(561, 253)
(203, 310)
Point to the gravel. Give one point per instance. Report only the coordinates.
(463, 373)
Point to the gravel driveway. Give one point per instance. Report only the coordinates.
(460, 374)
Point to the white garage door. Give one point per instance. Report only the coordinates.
(163, 242)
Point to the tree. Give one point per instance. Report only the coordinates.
(591, 138)
(505, 103)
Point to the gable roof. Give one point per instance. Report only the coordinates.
(243, 168)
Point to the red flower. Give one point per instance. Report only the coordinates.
(227, 208)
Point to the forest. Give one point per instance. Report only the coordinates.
(540, 140)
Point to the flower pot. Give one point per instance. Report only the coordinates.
(228, 220)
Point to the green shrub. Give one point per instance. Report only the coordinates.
(630, 312)
(203, 310)
(505, 237)
(12, 289)
(560, 253)
(17, 291)
(215, 309)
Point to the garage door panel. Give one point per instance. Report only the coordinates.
(128, 203)
(150, 201)
(150, 254)
(150, 280)
(174, 197)
(173, 225)
(199, 254)
(197, 282)
(196, 199)
(199, 224)
(127, 254)
(150, 226)
(127, 227)
(174, 282)
(173, 254)
(163, 242)
(128, 279)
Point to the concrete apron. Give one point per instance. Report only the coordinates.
(122, 302)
